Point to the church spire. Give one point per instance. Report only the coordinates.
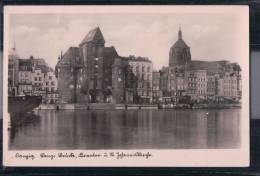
(180, 34)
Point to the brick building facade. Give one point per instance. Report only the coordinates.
(94, 73)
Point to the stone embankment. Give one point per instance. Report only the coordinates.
(97, 106)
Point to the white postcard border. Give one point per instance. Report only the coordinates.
(168, 158)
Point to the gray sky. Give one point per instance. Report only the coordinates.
(212, 36)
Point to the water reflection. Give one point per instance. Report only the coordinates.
(19, 121)
(132, 129)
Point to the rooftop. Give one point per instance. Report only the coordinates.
(138, 59)
(210, 66)
(180, 42)
(93, 35)
(70, 56)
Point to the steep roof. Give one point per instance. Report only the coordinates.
(110, 52)
(180, 44)
(69, 57)
(109, 55)
(93, 35)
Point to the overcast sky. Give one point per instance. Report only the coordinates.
(210, 36)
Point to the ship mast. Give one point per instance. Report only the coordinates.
(13, 63)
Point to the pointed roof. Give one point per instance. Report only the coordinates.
(93, 35)
(109, 54)
(110, 51)
(69, 57)
(180, 42)
(180, 34)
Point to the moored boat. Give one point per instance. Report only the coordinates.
(23, 104)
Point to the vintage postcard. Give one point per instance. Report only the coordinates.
(126, 86)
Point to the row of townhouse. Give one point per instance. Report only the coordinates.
(196, 80)
(31, 76)
(95, 73)
(199, 85)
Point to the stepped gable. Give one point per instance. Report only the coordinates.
(69, 58)
(95, 35)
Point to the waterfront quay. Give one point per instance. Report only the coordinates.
(94, 76)
(96, 106)
(96, 98)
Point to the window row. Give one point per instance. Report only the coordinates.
(38, 84)
(137, 68)
(50, 89)
(53, 95)
(50, 83)
(37, 79)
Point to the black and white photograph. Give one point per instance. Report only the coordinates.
(126, 86)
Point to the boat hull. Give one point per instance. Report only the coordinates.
(23, 104)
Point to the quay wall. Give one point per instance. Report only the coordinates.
(102, 106)
(135, 106)
(96, 106)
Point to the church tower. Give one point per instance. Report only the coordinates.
(179, 52)
(92, 54)
(92, 46)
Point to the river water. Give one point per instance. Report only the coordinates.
(131, 129)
